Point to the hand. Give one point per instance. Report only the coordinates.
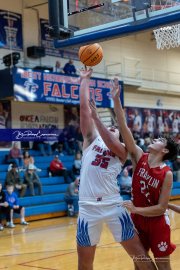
(130, 206)
(21, 156)
(64, 168)
(6, 204)
(84, 73)
(15, 207)
(92, 105)
(115, 89)
(18, 186)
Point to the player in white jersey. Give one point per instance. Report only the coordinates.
(161, 122)
(149, 121)
(175, 122)
(137, 123)
(99, 198)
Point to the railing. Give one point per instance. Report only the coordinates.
(131, 72)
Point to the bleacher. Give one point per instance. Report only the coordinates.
(51, 203)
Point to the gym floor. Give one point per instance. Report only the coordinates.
(51, 244)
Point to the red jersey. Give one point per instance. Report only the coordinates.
(54, 166)
(147, 182)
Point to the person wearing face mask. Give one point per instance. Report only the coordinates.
(69, 68)
(58, 68)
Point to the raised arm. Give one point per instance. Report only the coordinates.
(162, 205)
(128, 139)
(111, 142)
(86, 122)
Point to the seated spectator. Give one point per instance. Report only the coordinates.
(68, 141)
(144, 147)
(13, 178)
(29, 160)
(4, 207)
(126, 182)
(16, 157)
(32, 180)
(69, 68)
(58, 68)
(128, 165)
(13, 202)
(176, 168)
(57, 169)
(77, 163)
(56, 147)
(42, 146)
(79, 139)
(151, 137)
(72, 197)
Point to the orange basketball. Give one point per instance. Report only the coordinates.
(91, 55)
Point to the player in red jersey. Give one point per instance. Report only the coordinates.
(151, 188)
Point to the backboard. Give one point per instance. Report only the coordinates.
(100, 20)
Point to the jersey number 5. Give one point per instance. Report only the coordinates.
(102, 161)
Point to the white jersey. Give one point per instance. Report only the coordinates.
(160, 124)
(99, 170)
(137, 121)
(150, 121)
(175, 128)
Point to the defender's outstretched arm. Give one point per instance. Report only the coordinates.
(86, 122)
(128, 139)
(111, 142)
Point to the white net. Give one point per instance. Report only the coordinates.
(167, 37)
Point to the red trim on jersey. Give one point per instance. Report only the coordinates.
(147, 182)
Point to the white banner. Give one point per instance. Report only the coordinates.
(37, 116)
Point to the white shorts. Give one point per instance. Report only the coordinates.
(91, 219)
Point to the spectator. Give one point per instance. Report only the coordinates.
(144, 147)
(79, 139)
(128, 165)
(4, 207)
(32, 180)
(29, 160)
(42, 146)
(16, 157)
(67, 141)
(57, 169)
(13, 202)
(71, 195)
(151, 137)
(77, 163)
(176, 168)
(69, 67)
(58, 68)
(13, 178)
(126, 182)
(177, 138)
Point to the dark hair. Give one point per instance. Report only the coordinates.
(171, 145)
(25, 153)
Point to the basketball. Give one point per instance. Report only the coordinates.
(91, 55)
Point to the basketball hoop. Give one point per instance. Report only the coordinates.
(168, 37)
